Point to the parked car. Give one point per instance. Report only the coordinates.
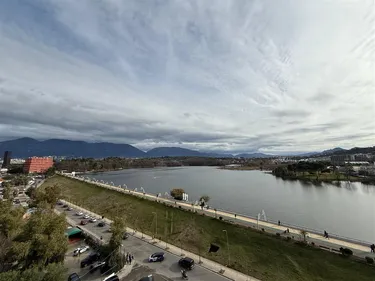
(84, 222)
(90, 259)
(65, 206)
(101, 224)
(79, 213)
(111, 277)
(159, 256)
(125, 236)
(93, 220)
(187, 263)
(74, 277)
(96, 265)
(80, 250)
(59, 203)
(70, 209)
(86, 217)
(147, 278)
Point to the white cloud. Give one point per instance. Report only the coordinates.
(211, 75)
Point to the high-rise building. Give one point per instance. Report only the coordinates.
(37, 164)
(6, 159)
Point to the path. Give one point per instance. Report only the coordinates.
(142, 245)
(332, 244)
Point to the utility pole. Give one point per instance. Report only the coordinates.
(156, 224)
(171, 223)
(226, 232)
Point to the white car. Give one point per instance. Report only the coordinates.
(79, 213)
(80, 250)
(86, 217)
(93, 220)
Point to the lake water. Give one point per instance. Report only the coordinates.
(347, 210)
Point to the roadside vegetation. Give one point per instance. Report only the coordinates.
(33, 249)
(317, 172)
(257, 254)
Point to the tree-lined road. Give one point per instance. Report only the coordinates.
(141, 251)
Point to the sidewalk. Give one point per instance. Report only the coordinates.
(206, 263)
(319, 240)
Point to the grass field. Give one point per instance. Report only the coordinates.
(251, 252)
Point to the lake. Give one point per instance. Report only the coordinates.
(347, 210)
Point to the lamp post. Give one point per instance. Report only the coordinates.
(156, 224)
(226, 232)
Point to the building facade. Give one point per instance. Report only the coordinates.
(6, 159)
(37, 164)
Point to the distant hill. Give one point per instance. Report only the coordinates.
(254, 155)
(172, 152)
(26, 147)
(332, 151)
(181, 152)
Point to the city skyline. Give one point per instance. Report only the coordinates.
(236, 76)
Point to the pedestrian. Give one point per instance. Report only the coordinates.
(132, 257)
(279, 223)
(101, 237)
(372, 247)
(126, 258)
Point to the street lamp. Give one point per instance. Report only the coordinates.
(226, 232)
(156, 224)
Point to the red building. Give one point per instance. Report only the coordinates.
(37, 164)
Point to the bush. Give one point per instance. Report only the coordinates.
(278, 235)
(176, 193)
(288, 238)
(346, 252)
(221, 218)
(369, 260)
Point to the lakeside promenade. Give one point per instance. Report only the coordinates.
(360, 249)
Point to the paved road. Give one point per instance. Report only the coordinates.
(141, 250)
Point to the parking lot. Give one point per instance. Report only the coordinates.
(166, 270)
(72, 263)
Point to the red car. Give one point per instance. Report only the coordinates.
(83, 222)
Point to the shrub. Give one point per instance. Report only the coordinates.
(346, 252)
(221, 218)
(288, 238)
(263, 230)
(176, 193)
(369, 260)
(278, 235)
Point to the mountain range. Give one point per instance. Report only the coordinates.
(27, 147)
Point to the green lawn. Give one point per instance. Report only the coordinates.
(257, 254)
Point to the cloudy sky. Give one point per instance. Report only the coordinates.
(238, 76)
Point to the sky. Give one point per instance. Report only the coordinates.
(228, 76)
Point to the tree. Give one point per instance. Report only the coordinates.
(117, 229)
(50, 172)
(10, 219)
(204, 198)
(55, 272)
(304, 234)
(8, 192)
(176, 193)
(49, 195)
(44, 232)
